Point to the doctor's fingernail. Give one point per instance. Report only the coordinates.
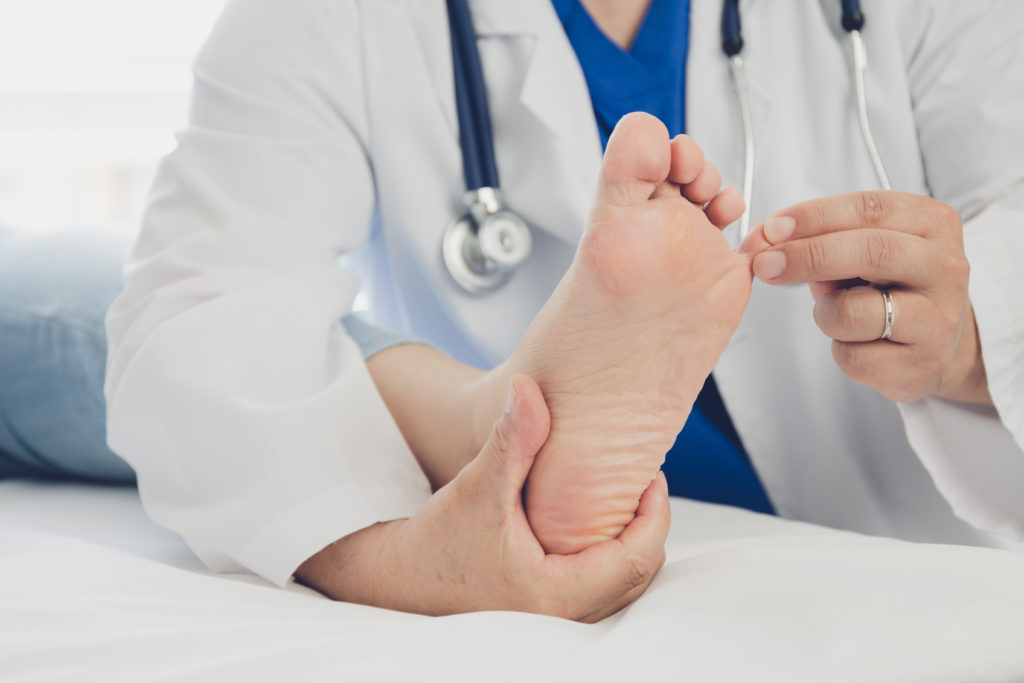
(779, 229)
(769, 265)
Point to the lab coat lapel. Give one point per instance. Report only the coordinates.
(429, 26)
(551, 90)
(554, 93)
(554, 88)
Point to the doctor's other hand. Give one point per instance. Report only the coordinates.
(851, 249)
(471, 547)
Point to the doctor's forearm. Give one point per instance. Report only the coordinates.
(444, 409)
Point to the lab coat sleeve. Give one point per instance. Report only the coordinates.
(371, 340)
(232, 387)
(967, 75)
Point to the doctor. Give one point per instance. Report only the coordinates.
(326, 128)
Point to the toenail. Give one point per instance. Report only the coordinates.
(769, 265)
(778, 229)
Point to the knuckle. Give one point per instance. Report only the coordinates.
(958, 267)
(639, 570)
(813, 212)
(849, 310)
(881, 250)
(965, 268)
(945, 216)
(872, 208)
(950, 319)
(817, 255)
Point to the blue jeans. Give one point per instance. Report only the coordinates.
(55, 290)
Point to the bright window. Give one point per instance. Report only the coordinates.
(91, 92)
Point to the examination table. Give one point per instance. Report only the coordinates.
(94, 591)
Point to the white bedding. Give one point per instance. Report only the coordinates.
(91, 590)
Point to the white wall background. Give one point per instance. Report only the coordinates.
(91, 92)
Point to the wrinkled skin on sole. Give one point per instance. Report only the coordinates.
(623, 346)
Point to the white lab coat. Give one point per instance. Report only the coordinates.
(322, 127)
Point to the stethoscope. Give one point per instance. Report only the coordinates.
(484, 247)
(732, 46)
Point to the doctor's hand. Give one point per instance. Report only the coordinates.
(471, 547)
(852, 249)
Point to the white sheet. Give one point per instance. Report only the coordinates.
(91, 590)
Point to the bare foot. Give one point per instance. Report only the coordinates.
(622, 347)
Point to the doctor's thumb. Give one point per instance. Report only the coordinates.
(506, 458)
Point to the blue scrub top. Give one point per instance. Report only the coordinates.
(708, 461)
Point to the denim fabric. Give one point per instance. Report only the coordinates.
(54, 293)
(55, 290)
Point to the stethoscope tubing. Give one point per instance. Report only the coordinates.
(860, 65)
(475, 137)
(739, 79)
(476, 265)
(482, 248)
(732, 46)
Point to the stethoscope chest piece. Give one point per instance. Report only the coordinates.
(483, 248)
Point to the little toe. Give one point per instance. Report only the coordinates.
(726, 207)
(636, 160)
(705, 186)
(687, 160)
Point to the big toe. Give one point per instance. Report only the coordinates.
(636, 161)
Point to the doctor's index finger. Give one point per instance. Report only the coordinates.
(878, 209)
(877, 256)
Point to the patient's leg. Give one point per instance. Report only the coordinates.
(54, 293)
(622, 347)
